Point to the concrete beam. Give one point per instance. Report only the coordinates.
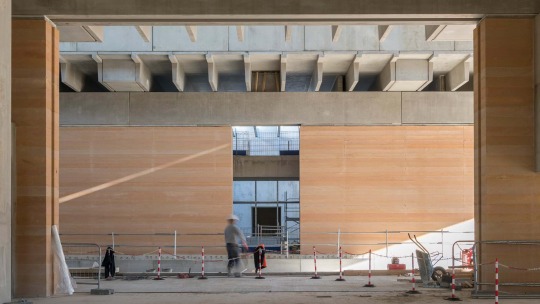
(353, 74)
(317, 76)
(145, 32)
(406, 75)
(288, 33)
(283, 72)
(458, 76)
(432, 31)
(213, 75)
(178, 75)
(384, 31)
(240, 33)
(336, 32)
(81, 33)
(429, 76)
(437, 108)
(123, 73)
(72, 76)
(247, 71)
(284, 167)
(271, 108)
(133, 12)
(192, 32)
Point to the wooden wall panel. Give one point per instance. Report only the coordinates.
(508, 188)
(146, 180)
(35, 81)
(377, 178)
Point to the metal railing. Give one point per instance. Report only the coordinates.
(84, 271)
(266, 143)
(505, 265)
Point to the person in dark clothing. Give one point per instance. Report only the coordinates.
(256, 258)
(108, 263)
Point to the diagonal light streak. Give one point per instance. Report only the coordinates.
(124, 179)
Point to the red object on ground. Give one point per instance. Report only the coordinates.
(396, 267)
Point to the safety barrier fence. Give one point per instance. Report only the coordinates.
(178, 241)
(513, 271)
(90, 274)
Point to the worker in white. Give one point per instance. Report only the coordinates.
(233, 235)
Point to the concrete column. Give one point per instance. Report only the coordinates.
(507, 186)
(5, 151)
(35, 93)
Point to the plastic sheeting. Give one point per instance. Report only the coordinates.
(62, 284)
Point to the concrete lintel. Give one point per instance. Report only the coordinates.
(132, 12)
(317, 76)
(192, 32)
(178, 75)
(213, 75)
(270, 108)
(283, 72)
(240, 32)
(145, 32)
(336, 32)
(247, 71)
(72, 76)
(384, 31)
(458, 76)
(353, 74)
(432, 31)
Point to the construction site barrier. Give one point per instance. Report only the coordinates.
(315, 275)
(85, 275)
(159, 266)
(202, 277)
(340, 266)
(369, 273)
(413, 280)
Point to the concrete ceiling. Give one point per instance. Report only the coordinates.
(402, 58)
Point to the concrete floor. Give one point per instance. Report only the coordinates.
(274, 289)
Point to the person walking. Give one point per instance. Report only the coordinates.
(233, 235)
(108, 263)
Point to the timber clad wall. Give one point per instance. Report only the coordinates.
(146, 180)
(383, 177)
(508, 188)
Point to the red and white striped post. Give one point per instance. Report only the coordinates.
(340, 266)
(202, 277)
(497, 281)
(315, 276)
(413, 280)
(159, 265)
(369, 273)
(259, 276)
(453, 297)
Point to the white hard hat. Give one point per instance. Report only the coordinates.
(233, 217)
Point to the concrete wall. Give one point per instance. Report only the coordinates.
(5, 151)
(318, 108)
(285, 167)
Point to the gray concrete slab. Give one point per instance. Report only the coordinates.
(107, 109)
(438, 107)
(270, 290)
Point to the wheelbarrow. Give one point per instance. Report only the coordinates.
(427, 268)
